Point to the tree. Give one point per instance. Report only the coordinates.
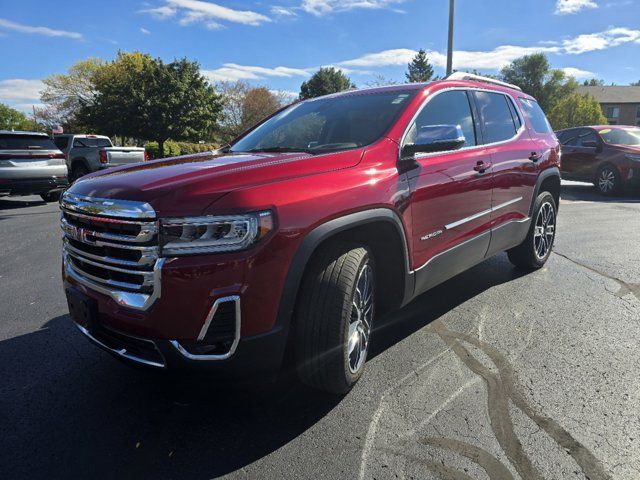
(258, 103)
(64, 94)
(533, 74)
(142, 97)
(593, 82)
(380, 81)
(576, 110)
(635, 84)
(419, 69)
(325, 81)
(244, 106)
(12, 119)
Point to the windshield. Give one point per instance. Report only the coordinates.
(621, 136)
(327, 124)
(26, 142)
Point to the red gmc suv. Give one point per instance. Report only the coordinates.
(304, 230)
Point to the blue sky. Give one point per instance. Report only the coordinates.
(279, 43)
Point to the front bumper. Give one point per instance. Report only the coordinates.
(32, 186)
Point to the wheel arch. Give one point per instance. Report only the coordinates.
(548, 181)
(373, 228)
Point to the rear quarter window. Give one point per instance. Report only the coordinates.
(61, 142)
(535, 115)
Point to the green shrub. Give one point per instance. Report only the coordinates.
(174, 149)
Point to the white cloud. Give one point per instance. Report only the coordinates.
(145, 31)
(194, 11)
(567, 7)
(231, 72)
(491, 59)
(590, 42)
(20, 90)
(577, 73)
(46, 31)
(283, 11)
(325, 7)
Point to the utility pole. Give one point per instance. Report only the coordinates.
(450, 45)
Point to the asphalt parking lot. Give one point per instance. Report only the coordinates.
(495, 374)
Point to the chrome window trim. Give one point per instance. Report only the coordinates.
(107, 207)
(232, 298)
(123, 351)
(463, 149)
(136, 301)
(462, 221)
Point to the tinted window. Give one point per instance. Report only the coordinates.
(327, 124)
(61, 142)
(80, 143)
(448, 108)
(587, 136)
(496, 117)
(570, 137)
(535, 115)
(103, 142)
(26, 142)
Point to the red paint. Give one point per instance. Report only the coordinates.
(305, 191)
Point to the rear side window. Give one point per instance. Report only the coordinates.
(535, 115)
(61, 142)
(26, 142)
(496, 116)
(447, 108)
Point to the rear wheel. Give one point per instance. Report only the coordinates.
(50, 196)
(334, 317)
(79, 170)
(535, 250)
(608, 181)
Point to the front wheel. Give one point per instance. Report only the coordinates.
(608, 181)
(535, 250)
(334, 317)
(51, 196)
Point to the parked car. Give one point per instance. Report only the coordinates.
(607, 156)
(307, 228)
(90, 153)
(31, 164)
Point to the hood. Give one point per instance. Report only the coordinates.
(187, 185)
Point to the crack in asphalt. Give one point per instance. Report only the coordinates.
(625, 287)
(501, 387)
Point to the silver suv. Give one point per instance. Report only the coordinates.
(31, 164)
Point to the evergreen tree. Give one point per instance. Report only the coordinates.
(419, 69)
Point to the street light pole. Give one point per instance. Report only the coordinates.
(450, 45)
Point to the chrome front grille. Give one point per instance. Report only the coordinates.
(112, 246)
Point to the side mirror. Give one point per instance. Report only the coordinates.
(435, 138)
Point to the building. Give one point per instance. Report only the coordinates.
(621, 105)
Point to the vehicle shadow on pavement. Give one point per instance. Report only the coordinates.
(587, 192)
(6, 204)
(431, 305)
(69, 410)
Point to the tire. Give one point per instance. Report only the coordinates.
(331, 338)
(50, 196)
(608, 181)
(79, 170)
(535, 250)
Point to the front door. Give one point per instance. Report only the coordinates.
(451, 198)
(579, 155)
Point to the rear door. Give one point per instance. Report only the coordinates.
(580, 156)
(451, 196)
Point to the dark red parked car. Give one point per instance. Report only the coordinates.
(305, 229)
(607, 156)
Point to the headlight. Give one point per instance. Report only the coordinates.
(213, 234)
(632, 157)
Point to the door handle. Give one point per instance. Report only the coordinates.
(534, 157)
(482, 167)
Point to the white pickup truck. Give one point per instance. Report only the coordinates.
(88, 153)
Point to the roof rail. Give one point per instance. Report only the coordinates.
(479, 78)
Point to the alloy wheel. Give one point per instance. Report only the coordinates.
(361, 317)
(545, 230)
(606, 180)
